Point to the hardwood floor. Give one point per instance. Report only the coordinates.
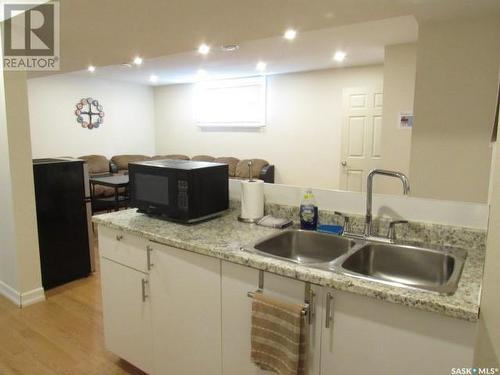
(62, 335)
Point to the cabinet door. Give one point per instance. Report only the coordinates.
(237, 281)
(127, 314)
(368, 336)
(185, 298)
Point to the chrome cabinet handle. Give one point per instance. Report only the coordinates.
(143, 285)
(119, 237)
(149, 249)
(344, 163)
(329, 317)
(312, 307)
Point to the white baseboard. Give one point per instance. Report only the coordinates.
(33, 296)
(22, 299)
(10, 293)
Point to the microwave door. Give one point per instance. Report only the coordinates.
(151, 191)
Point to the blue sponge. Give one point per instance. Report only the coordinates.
(333, 229)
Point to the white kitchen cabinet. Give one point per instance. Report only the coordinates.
(186, 304)
(174, 312)
(237, 281)
(126, 306)
(368, 336)
(127, 313)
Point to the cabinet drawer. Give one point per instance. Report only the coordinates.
(123, 248)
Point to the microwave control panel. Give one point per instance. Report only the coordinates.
(182, 195)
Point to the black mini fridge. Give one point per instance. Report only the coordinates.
(64, 221)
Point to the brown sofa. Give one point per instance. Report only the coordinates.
(119, 163)
(99, 165)
(238, 169)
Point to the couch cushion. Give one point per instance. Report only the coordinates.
(173, 156)
(232, 162)
(96, 163)
(203, 158)
(257, 165)
(122, 161)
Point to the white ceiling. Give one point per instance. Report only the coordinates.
(363, 42)
(108, 32)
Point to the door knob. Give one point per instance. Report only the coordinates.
(344, 163)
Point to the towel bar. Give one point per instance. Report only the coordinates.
(305, 306)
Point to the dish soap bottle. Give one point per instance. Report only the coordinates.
(308, 211)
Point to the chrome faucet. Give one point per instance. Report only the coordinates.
(369, 194)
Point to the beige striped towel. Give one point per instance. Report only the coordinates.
(279, 336)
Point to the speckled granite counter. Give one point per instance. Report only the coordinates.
(223, 237)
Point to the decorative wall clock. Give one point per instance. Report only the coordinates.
(89, 113)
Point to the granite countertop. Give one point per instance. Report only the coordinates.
(223, 238)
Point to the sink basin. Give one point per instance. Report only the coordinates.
(304, 247)
(408, 265)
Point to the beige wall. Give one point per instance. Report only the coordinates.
(9, 275)
(488, 345)
(20, 264)
(23, 193)
(128, 126)
(456, 83)
(399, 89)
(302, 137)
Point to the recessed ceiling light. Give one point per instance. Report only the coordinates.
(204, 49)
(229, 47)
(339, 56)
(137, 60)
(261, 66)
(201, 75)
(153, 78)
(290, 34)
(91, 68)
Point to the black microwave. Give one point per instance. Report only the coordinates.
(179, 190)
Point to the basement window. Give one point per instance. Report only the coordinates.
(239, 102)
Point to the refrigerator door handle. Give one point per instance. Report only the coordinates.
(88, 209)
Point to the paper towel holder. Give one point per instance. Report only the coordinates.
(250, 174)
(248, 221)
(250, 179)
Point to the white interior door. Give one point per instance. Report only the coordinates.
(361, 136)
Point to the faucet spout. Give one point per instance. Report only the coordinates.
(369, 193)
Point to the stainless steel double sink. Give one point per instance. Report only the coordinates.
(435, 270)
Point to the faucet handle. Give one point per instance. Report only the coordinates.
(391, 233)
(347, 221)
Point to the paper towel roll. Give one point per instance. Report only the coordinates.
(252, 199)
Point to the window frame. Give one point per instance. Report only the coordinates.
(234, 83)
